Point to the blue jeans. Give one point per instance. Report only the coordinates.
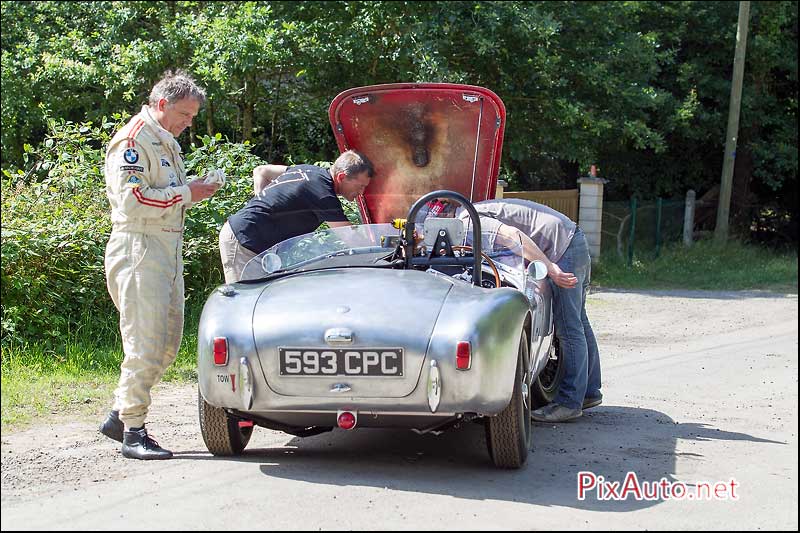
(578, 344)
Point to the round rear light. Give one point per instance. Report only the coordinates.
(346, 420)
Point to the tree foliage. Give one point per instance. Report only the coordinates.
(639, 88)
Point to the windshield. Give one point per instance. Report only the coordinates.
(360, 245)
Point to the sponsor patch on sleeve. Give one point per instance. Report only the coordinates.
(134, 181)
(164, 162)
(137, 168)
(131, 155)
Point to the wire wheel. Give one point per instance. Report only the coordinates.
(545, 386)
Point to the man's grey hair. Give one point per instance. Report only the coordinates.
(177, 85)
(352, 163)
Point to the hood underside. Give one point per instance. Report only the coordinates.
(421, 137)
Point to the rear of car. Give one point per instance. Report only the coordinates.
(299, 363)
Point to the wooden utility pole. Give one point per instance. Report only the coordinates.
(723, 208)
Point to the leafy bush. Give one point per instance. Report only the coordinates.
(56, 222)
(202, 266)
(54, 229)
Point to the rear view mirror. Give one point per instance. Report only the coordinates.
(537, 270)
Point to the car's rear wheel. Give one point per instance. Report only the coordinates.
(223, 434)
(508, 434)
(545, 386)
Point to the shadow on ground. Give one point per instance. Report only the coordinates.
(608, 441)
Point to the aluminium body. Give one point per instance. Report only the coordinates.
(424, 315)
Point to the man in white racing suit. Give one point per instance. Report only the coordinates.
(149, 193)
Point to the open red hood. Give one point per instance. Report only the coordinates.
(421, 137)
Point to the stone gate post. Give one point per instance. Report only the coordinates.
(590, 213)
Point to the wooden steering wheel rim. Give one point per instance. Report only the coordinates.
(488, 260)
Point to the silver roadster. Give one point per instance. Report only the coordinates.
(415, 322)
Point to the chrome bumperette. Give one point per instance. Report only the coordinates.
(246, 383)
(434, 386)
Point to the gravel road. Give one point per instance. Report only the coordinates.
(700, 387)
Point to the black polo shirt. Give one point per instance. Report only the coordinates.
(294, 203)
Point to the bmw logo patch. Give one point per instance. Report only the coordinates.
(131, 155)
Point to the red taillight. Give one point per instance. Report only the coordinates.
(346, 420)
(220, 351)
(463, 355)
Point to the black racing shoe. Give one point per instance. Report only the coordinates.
(137, 444)
(112, 427)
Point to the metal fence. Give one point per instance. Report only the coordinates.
(636, 226)
(643, 227)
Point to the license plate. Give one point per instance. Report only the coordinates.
(341, 362)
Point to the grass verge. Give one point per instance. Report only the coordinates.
(77, 377)
(705, 265)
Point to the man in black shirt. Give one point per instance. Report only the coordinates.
(295, 202)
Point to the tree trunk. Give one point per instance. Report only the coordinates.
(742, 208)
(248, 110)
(247, 122)
(271, 145)
(210, 117)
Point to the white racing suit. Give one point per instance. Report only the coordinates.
(146, 186)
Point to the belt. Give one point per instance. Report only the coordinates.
(145, 227)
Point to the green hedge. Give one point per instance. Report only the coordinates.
(56, 223)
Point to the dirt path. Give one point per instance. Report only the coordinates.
(699, 386)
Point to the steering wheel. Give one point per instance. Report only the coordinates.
(497, 282)
(408, 242)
